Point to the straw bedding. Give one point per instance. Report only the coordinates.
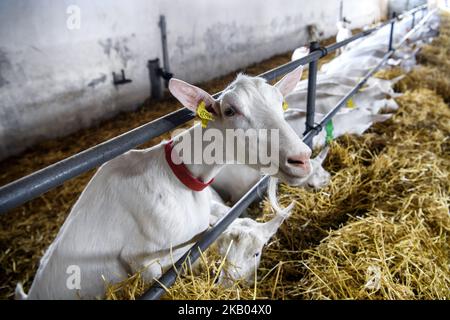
(380, 230)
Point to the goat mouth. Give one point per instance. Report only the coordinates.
(295, 162)
(291, 176)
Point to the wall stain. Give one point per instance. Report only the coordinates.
(96, 81)
(224, 39)
(4, 64)
(119, 47)
(106, 45)
(36, 49)
(187, 43)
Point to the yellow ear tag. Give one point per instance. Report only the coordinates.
(285, 106)
(350, 104)
(204, 114)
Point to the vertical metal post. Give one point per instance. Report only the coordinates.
(311, 96)
(391, 36)
(341, 10)
(413, 20)
(162, 26)
(155, 79)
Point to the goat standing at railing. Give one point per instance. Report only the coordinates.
(241, 245)
(141, 212)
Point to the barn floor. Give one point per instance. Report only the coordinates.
(384, 216)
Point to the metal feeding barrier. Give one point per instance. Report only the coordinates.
(29, 187)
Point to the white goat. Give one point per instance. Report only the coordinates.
(354, 121)
(137, 214)
(243, 241)
(376, 94)
(371, 98)
(300, 53)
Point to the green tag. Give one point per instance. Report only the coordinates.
(329, 129)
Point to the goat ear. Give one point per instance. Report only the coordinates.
(189, 95)
(289, 81)
(397, 79)
(323, 154)
(381, 117)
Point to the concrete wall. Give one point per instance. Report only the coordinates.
(400, 6)
(55, 79)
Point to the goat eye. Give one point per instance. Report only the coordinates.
(256, 254)
(229, 112)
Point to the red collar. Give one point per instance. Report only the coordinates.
(182, 172)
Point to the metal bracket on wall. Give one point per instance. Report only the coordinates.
(118, 80)
(156, 72)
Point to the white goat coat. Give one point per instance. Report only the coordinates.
(134, 205)
(354, 121)
(343, 34)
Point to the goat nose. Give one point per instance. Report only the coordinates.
(299, 160)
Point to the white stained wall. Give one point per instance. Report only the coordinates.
(55, 79)
(400, 6)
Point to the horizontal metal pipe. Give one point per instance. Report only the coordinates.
(37, 183)
(31, 186)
